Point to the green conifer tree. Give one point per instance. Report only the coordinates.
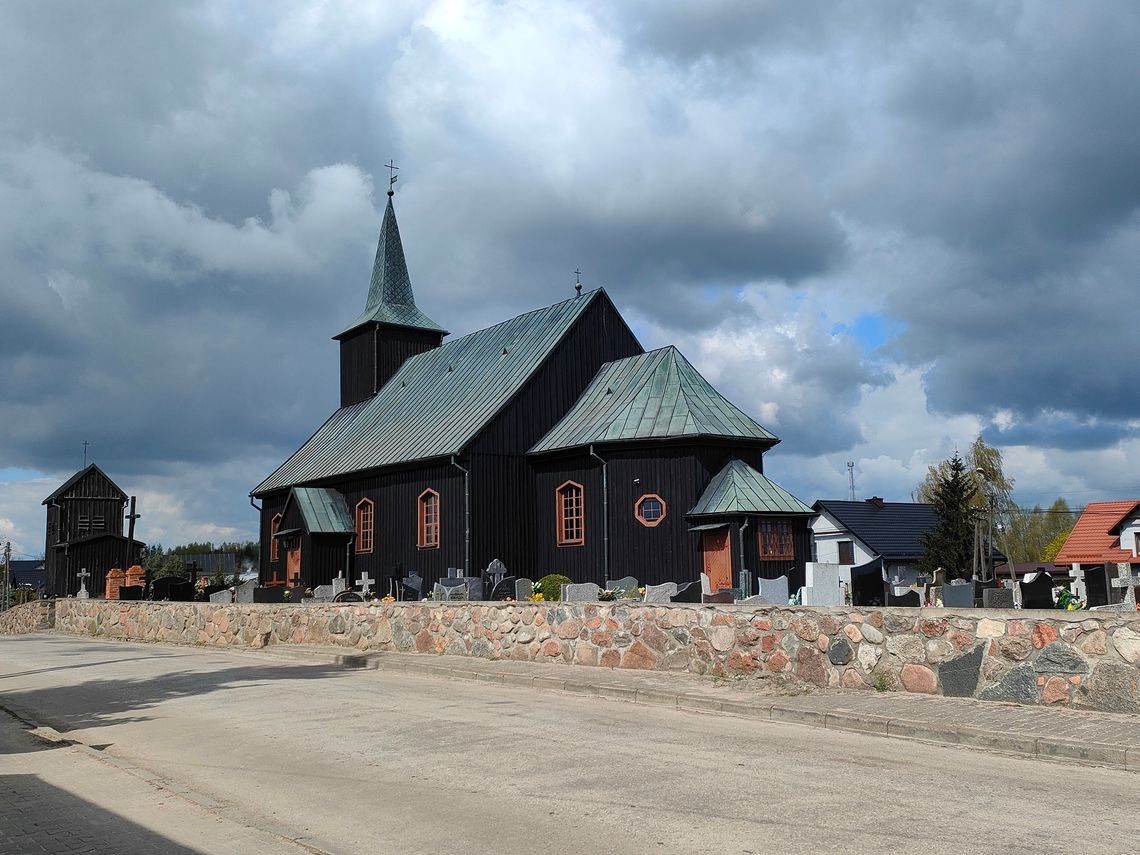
(949, 544)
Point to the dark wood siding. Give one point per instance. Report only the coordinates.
(358, 366)
(502, 482)
(668, 552)
(98, 500)
(271, 505)
(395, 344)
(98, 555)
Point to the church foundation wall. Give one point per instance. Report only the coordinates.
(1082, 659)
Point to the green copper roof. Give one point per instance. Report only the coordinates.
(655, 395)
(324, 511)
(390, 298)
(740, 489)
(437, 401)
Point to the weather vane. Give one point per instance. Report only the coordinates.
(392, 176)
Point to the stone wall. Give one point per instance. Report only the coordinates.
(1085, 659)
(28, 617)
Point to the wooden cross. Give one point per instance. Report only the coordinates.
(365, 581)
(82, 576)
(1127, 580)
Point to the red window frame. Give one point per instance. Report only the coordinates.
(570, 514)
(274, 526)
(639, 513)
(365, 525)
(775, 540)
(428, 519)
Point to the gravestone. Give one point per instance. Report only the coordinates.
(1037, 591)
(323, 594)
(1096, 586)
(724, 595)
(823, 585)
(225, 596)
(450, 592)
(412, 587)
(504, 589)
(660, 593)
(997, 598)
(131, 592)
(959, 596)
(706, 584)
(82, 575)
(775, 591)
(587, 592)
(690, 592)
(755, 599)
(1128, 581)
(339, 584)
(115, 580)
(275, 594)
(454, 572)
(365, 582)
(295, 594)
(496, 571)
(911, 599)
(627, 585)
(243, 593)
(172, 588)
(524, 590)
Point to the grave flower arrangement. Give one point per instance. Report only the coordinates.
(1068, 602)
(610, 594)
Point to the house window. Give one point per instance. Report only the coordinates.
(364, 525)
(846, 552)
(428, 527)
(568, 511)
(274, 525)
(649, 510)
(776, 540)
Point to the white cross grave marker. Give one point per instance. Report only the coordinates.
(82, 576)
(366, 582)
(1129, 582)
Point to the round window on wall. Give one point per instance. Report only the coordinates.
(649, 510)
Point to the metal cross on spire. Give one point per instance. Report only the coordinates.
(85, 444)
(578, 281)
(392, 176)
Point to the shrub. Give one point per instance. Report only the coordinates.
(551, 586)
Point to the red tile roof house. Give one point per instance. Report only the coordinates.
(1106, 533)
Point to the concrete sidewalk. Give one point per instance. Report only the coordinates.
(1057, 733)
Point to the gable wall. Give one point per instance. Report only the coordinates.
(827, 532)
(502, 508)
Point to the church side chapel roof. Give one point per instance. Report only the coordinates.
(740, 489)
(390, 297)
(436, 402)
(655, 395)
(323, 510)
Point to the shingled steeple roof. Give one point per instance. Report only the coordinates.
(390, 297)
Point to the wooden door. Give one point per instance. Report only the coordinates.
(293, 567)
(717, 555)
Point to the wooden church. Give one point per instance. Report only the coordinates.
(551, 441)
(85, 532)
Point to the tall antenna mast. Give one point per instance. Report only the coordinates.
(851, 477)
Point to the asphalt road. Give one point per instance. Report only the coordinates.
(375, 762)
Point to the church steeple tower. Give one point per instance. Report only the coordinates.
(391, 328)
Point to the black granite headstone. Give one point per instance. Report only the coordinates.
(1038, 594)
(172, 588)
(276, 594)
(997, 598)
(504, 589)
(131, 592)
(723, 596)
(910, 598)
(1096, 587)
(687, 593)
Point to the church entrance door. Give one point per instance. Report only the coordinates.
(717, 558)
(293, 567)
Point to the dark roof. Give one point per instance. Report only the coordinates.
(740, 489)
(436, 402)
(29, 573)
(75, 479)
(211, 562)
(654, 395)
(892, 530)
(323, 510)
(97, 536)
(390, 297)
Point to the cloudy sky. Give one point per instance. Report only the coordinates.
(882, 228)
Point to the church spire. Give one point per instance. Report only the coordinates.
(390, 297)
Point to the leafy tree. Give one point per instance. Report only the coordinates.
(949, 544)
(1054, 545)
(983, 469)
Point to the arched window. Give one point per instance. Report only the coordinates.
(570, 515)
(364, 525)
(427, 512)
(650, 510)
(274, 525)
